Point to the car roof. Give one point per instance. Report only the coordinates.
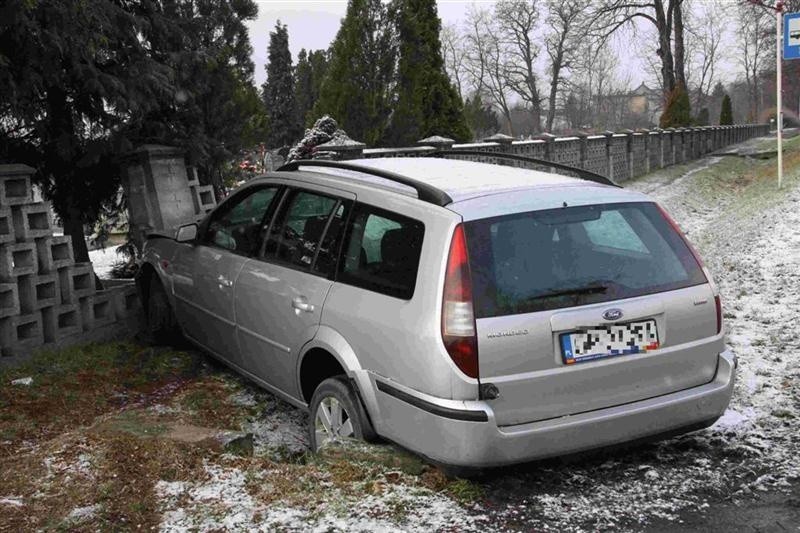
(471, 184)
(461, 180)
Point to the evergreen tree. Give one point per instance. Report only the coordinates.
(702, 117)
(310, 71)
(426, 102)
(357, 87)
(83, 82)
(677, 112)
(481, 118)
(726, 114)
(279, 90)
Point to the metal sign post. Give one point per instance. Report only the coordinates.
(779, 83)
(791, 50)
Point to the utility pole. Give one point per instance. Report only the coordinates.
(779, 83)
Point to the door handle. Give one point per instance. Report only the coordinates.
(225, 282)
(301, 303)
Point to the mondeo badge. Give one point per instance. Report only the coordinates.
(612, 314)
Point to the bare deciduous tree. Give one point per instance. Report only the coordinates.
(454, 55)
(485, 62)
(518, 20)
(704, 47)
(755, 44)
(565, 20)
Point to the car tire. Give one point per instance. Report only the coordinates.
(332, 396)
(160, 319)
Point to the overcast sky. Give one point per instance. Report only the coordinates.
(313, 24)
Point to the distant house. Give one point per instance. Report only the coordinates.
(638, 108)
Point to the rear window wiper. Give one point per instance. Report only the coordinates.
(590, 289)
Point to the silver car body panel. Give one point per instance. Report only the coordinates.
(389, 344)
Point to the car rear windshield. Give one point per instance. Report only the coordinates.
(571, 256)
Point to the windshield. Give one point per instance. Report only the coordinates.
(572, 256)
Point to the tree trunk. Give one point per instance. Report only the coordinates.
(664, 27)
(73, 226)
(680, 51)
(551, 111)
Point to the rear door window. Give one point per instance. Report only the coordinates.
(382, 252)
(572, 256)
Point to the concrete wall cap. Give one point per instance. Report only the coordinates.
(500, 138)
(559, 139)
(16, 170)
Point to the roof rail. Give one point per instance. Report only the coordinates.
(425, 191)
(582, 174)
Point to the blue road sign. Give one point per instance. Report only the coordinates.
(791, 36)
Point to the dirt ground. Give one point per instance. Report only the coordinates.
(125, 436)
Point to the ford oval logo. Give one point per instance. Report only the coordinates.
(612, 314)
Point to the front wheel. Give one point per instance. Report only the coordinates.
(161, 324)
(335, 414)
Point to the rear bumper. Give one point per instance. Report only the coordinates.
(455, 434)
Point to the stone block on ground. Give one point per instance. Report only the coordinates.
(9, 300)
(82, 280)
(15, 185)
(17, 259)
(23, 333)
(46, 290)
(32, 221)
(6, 225)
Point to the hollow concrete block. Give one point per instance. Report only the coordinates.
(15, 185)
(46, 290)
(17, 259)
(82, 280)
(9, 300)
(22, 334)
(32, 221)
(6, 226)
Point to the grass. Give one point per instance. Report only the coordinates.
(84, 434)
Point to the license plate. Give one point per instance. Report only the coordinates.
(609, 341)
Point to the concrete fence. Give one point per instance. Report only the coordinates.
(617, 155)
(46, 298)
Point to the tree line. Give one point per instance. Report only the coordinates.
(83, 82)
(383, 78)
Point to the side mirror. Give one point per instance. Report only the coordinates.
(187, 233)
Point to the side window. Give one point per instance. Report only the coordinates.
(295, 236)
(613, 231)
(237, 225)
(382, 252)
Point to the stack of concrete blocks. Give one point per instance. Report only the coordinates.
(46, 298)
(162, 193)
(203, 195)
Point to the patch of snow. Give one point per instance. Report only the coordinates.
(13, 501)
(732, 419)
(221, 502)
(23, 381)
(83, 513)
(104, 259)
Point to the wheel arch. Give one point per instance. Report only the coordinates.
(329, 343)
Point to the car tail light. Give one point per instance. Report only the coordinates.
(458, 319)
(718, 305)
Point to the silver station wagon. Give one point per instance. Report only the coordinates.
(476, 314)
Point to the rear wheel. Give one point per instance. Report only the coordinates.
(336, 414)
(161, 323)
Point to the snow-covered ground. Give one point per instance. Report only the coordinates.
(754, 254)
(104, 259)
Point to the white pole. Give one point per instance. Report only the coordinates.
(779, 74)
